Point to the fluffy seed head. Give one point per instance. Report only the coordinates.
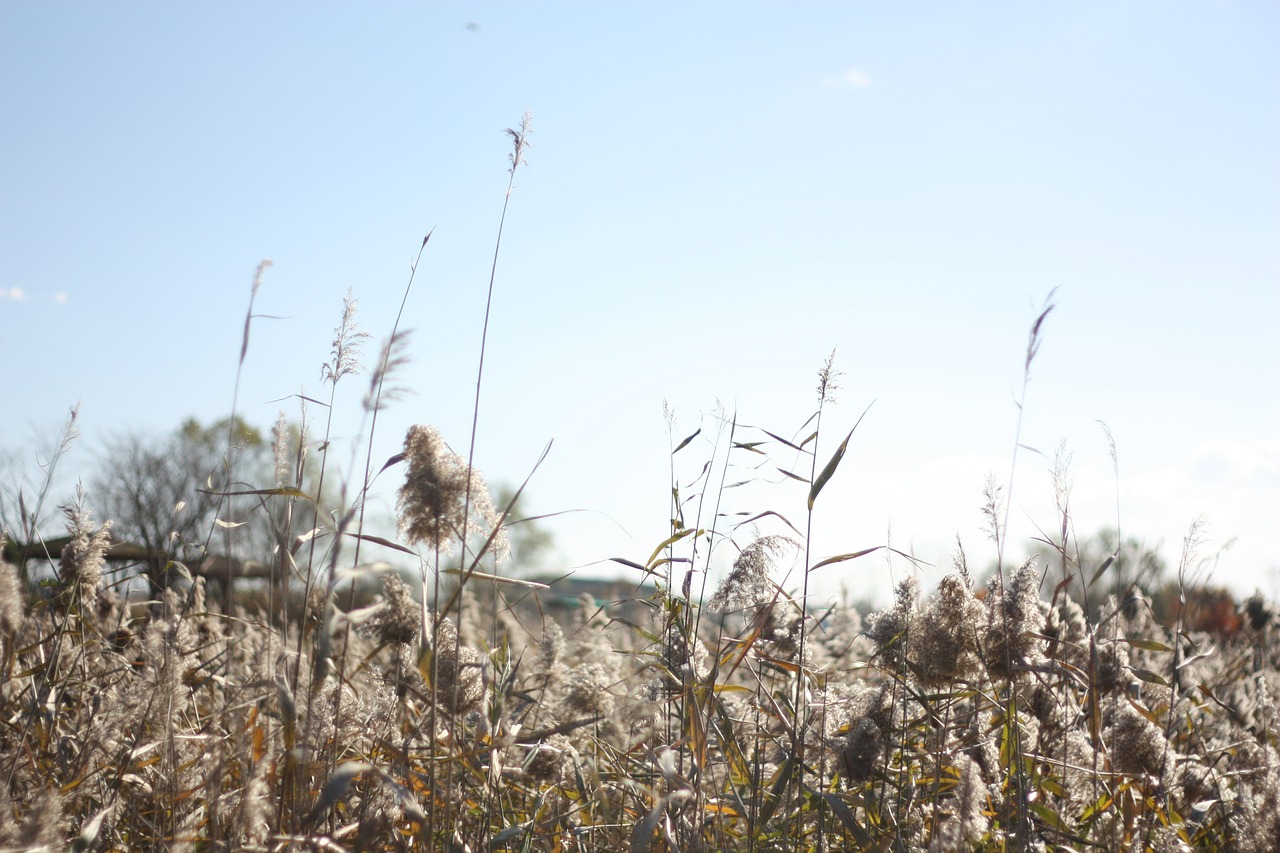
(828, 380)
(747, 584)
(280, 448)
(588, 692)
(1014, 618)
(862, 749)
(1137, 746)
(433, 500)
(965, 821)
(382, 382)
(399, 616)
(84, 555)
(890, 629)
(348, 341)
(12, 597)
(459, 684)
(520, 140)
(1068, 632)
(945, 645)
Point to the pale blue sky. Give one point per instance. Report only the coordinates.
(717, 195)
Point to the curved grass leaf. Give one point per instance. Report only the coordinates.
(484, 576)
(842, 810)
(685, 443)
(89, 831)
(668, 542)
(394, 460)
(1106, 564)
(282, 491)
(1147, 645)
(767, 513)
(336, 787)
(780, 784)
(784, 441)
(829, 471)
(840, 558)
(1149, 676)
(642, 836)
(385, 543)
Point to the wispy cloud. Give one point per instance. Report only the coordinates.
(1225, 460)
(857, 79)
(17, 294)
(852, 78)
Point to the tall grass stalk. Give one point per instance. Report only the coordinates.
(228, 464)
(31, 534)
(828, 385)
(519, 147)
(30, 521)
(1000, 531)
(345, 353)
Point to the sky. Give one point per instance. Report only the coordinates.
(717, 197)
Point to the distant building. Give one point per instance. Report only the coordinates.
(616, 596)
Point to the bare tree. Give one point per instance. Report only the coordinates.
(1107, 567)
(169, 495)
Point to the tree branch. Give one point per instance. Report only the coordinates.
(211, 565)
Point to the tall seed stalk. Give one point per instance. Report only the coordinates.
(519, 147)
(1000, 530)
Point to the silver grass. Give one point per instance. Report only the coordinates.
(945, 645)
(890, 630)
(1015, 621)
(12, 599)
(397, 618)
(82, 559)
(459, 673)
(1138, 747)
(433, 502)
(348, 343)
(747, 584)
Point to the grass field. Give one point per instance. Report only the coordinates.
(993, 715)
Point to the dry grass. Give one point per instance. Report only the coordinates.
(984, 718)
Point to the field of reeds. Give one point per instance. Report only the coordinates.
(293, 714)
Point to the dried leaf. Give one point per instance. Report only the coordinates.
(336, 787)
